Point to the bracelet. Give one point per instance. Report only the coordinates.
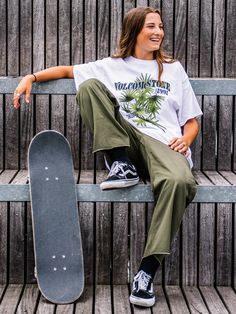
(35, 78)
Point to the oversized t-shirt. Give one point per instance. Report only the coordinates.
(156, 109)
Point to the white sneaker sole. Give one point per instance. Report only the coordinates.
(142, 302)
(107, 185)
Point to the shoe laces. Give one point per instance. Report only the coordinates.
(116, 167)
(143, 280)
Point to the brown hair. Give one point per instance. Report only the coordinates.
(132, 25)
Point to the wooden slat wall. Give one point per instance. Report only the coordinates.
(36, 34)
(39, 34)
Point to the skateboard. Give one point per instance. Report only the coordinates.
(56, 230)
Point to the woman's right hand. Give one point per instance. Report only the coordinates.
(24, 87)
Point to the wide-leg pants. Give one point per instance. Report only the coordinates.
(171, 179)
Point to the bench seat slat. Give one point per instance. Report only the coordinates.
(140, 193)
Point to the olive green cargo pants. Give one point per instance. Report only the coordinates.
(172, 182)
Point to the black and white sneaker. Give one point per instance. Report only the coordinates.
(142, 291)
(121, 175)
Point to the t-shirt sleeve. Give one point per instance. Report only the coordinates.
(83, 72)
(189, 106)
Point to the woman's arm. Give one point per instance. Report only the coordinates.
(52, 73)
(190, 132)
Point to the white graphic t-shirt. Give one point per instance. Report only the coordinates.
(158, 110)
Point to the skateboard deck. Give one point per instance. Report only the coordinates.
(56, 230)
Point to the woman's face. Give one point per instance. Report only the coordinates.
(150, 37)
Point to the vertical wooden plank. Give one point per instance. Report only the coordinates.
(58, 102)
(103, 29)
(137, 236)
(205, 38)
(155, 4)
(168, 20)
(86, 215)
(230, 60)
(3, 38)
(90, 36)
(141, 3)
(209, 109)
(11, 135)
(51, 38)
(193, 38)
(11, 148)
(17, 235)
(206, 253)
(209, 133)
(73, 128)
(224, 133)
(225, 109)
(26, 114)
(230, 40)
(77, 43)
(172, 263)
(189, 246)
(180, 30)
(42, 102)
(1, 132)
(58, 113)
(5, 177)
(3, 70)
(30, 261)
(103, 238)
(116, 22)
(13, 37)
(196, 147)
(218, 38)
(128, 5)
(120, 243)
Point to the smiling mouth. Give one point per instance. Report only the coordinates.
(155, 40)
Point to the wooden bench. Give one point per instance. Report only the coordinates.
(200, 272)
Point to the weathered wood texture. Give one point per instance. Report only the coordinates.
(114, 236)
(114, 299)
(38, 34)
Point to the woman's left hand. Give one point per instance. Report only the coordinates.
(180, 145)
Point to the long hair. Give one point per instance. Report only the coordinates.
(132, 25)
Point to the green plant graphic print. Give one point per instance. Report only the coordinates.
(142, 104)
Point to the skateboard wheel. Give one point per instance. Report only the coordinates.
(35, 272)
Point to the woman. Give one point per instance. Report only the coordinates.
(140, 106)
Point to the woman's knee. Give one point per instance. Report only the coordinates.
(175, 179)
